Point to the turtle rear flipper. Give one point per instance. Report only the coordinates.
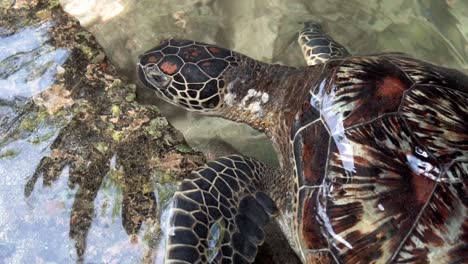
(218, 214)
(317, 47)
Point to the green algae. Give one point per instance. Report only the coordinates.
(9, 154)
(183, 148)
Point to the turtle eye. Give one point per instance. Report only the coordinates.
(156, 77)
(159, 78)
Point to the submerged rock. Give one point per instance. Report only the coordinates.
(80, 160)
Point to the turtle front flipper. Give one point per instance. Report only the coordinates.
(219, 214)
(317, 47)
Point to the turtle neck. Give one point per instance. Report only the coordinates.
(262, 94)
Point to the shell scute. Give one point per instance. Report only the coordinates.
(438, 117)
(361, 90)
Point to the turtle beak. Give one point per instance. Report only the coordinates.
(141, 75)
(139, 61)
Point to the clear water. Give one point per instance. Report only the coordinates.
(432, 30)
(35, 219)
(29, 227)
(36, 228)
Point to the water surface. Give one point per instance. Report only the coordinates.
(432, 30)
(35, 222)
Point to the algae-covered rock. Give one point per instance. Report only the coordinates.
(109, 163)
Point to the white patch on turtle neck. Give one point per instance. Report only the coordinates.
(251, 93)
(231, 85)
(230, 98)
(255, 107)
(254, 100)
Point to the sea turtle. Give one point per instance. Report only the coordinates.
(373, 154)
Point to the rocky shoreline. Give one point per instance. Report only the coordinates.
(103, 130)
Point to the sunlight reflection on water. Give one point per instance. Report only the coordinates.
(37, 227)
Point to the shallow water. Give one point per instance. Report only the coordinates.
(27, 67)
(433, 30)
(36, 227)
(37, 223)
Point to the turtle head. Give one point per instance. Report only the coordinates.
(187, 73)
(216, 81)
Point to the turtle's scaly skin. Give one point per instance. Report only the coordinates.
(317, 47)
(372, 148)
(237, 211)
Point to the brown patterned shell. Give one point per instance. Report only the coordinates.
(381, 150)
